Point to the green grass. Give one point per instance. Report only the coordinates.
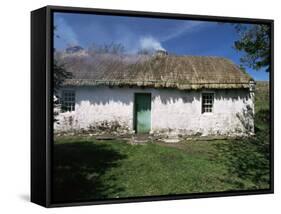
(85, 168)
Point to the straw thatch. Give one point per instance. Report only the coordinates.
(181, 72)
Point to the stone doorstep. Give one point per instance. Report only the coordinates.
(139, 141)
(170, 140)
(141, 138)
(145, 138)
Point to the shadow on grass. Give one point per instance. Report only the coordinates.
(247, 159)
(78, 170)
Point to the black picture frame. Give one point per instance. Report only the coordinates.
(42, 102)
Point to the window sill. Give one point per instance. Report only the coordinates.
(208, 113)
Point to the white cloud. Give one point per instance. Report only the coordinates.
(155, 42)
(133, 40)
(150, 43)
(187, 27)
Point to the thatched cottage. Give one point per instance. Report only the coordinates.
(188, 95)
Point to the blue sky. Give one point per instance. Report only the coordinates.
(181, 37)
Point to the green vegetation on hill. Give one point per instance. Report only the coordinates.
(262, 96)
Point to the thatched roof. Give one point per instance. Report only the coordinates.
(182, 72)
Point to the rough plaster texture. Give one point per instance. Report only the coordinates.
(172, 111)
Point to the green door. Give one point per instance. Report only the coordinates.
(142, 113)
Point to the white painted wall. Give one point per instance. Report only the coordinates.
(172, 111)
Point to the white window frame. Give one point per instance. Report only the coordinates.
(210, 104)
(68, 98)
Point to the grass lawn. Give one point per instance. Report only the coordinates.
(85, 168)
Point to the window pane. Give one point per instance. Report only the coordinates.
(68, 101)
(207, 102)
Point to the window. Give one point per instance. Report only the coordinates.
(68, 101)
(207, 102)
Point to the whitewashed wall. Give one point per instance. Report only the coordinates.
(172, 111)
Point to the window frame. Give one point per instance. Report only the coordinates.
(68, 105)
(209, 105)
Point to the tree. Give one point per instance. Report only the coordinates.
(255, 43)
(59, 75)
